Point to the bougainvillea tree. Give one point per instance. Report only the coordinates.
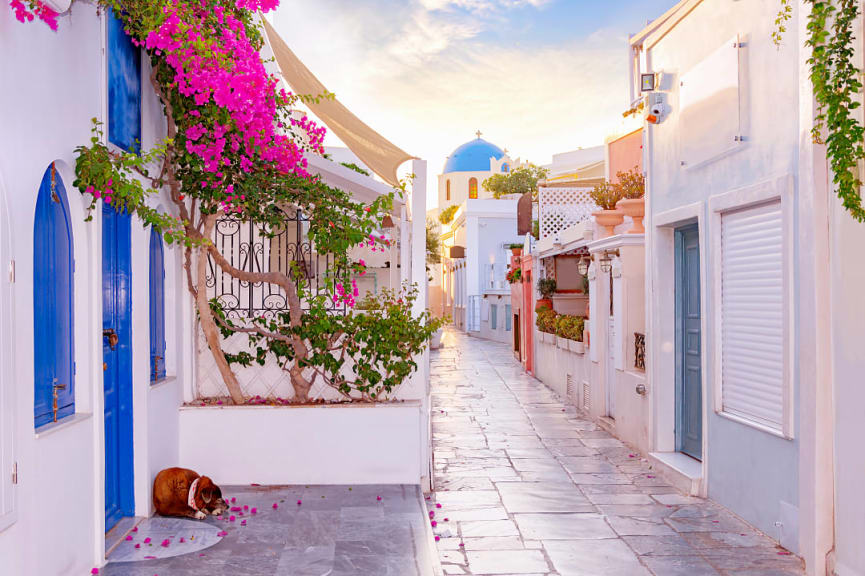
(236, 146)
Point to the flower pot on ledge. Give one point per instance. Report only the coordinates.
(636, 209)
(576, 346)
(561, 342)
(516, 251)
(609, 219)
(544, 303)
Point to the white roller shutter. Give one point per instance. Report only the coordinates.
(752, 314)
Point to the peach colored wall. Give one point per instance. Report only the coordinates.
(625, 153)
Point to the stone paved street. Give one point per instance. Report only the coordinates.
(527, 486)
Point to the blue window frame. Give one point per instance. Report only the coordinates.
(124, 88)
(508, 317)
(53, 318)
(494, 316)
(157, 307)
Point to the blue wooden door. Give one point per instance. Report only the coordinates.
(689, 393)
(117, 358)
(52, 302)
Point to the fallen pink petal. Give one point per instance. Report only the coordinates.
(223, 533)
(95, 571)
(129, 538)
(166, 543)
(147, 540)
(438, 505)
(254, 511)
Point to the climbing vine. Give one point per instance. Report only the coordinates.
(837, 88)
(784, 15)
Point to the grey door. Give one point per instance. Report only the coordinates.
(689, 396)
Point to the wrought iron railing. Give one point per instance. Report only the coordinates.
(253, 249)
(639, 351)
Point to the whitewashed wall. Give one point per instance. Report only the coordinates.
(762, 477)
(59, 81)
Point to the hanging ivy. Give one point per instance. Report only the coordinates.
(784, 15)
(837, 89)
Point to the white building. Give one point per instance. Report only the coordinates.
(736, 257)
(474, 291)
(69, 286)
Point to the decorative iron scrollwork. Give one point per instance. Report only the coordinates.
(255, 249)
(639, 351)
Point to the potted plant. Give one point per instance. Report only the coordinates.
(562, 322)
(515, 276)
(516, 249)
(633, 202)
(546, 323)
(547, 287)
(606, 196)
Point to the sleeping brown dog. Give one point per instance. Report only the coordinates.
(182, 492)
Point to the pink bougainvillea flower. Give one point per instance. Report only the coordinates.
(233, 500)
(432, 513)
(129, 537)
(275, 505)
(434, 523)
(137, 546)
(245, 507)
(95, 571)
(438, 505)
(438, 538)
(222, 533)
(147, 540)
(243, 522)
(298, 503)
(649, 476)
(232, 518)
(630, 456)
(378, 498)
(135, 529)
(201, 555)
(236, 508)
(166, 543)
(182, 539)
(462, 545)
(254, 511)
(446, 519)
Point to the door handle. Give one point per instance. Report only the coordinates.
(112, 336)
(55, 388)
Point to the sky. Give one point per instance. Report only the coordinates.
(536, 77)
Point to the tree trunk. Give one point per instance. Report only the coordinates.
(208, 324)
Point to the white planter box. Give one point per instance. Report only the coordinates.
(576, 346)
(562, 342)
(329, 444)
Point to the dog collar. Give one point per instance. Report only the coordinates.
(191, 499)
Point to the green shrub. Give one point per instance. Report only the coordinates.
(570, 327)
(546, 320)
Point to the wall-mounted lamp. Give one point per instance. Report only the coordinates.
(583, 266)
(606, 260)
(647, 82)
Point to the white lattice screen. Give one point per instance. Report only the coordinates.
(561, 208)
(268, 381)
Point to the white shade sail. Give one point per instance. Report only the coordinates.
(379, 154)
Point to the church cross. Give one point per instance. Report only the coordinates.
(479, 134)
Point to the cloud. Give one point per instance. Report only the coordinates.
(424, 74)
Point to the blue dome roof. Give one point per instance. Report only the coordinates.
(473, 156)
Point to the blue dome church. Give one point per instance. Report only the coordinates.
(466, 169)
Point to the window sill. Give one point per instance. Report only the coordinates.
(163, 383)
(754, 425)
(67, 422)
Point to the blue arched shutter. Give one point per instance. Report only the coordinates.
(53, 302)
(157, 307)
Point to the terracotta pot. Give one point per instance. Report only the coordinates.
(609, 219)
(544, 303)
(516, 251)
(636, 209)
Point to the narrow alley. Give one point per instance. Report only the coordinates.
(527, 486)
